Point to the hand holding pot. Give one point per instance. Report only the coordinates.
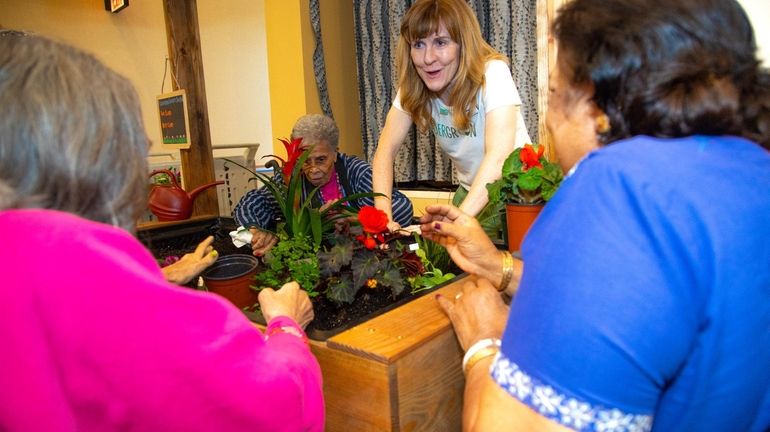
(191, 264)
(288, 301)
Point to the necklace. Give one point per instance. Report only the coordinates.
(335, 194)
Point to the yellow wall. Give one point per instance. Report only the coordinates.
(339, 42)
(293, 87)
(285, 66)
(234, 51)
(133, 43)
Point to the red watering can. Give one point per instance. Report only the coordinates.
(171, 202)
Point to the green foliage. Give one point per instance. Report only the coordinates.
(300, 218)
(310, 251)
(291, 259)
(341, 288)
(432, 253)
(393, 279)
(523, 184)
(434, 257)
(348, 266)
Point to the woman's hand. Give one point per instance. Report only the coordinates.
(477, 312)
(191, 264)
(465, 240)
(397, 125)
(288, 301)
(261, 241)
(394, 227)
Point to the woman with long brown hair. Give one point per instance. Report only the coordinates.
(456, 85)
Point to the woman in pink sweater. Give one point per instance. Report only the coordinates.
(93, 336)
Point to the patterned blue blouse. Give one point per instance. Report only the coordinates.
(645, 298)
(259, 208)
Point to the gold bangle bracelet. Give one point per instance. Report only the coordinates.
(480, 349)
(480, 355)
(507, 270)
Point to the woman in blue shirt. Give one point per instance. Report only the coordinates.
(645, 300)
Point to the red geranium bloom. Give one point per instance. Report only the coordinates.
(373, 220)
(369, 243)
(530, 156)
(293, 152)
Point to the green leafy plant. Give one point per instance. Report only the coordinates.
(302, 227)
(292, 258)
(527, 178)
(367, 256)
(434, 257)
(348, 266)
(336, 251)
(299, 217)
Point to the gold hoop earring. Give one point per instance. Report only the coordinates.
(603, 124)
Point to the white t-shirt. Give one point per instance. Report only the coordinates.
(466, 148)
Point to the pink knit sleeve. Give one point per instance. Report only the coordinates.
(99, 341)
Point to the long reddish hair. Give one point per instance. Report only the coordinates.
(423, 19)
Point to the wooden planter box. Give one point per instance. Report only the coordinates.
(400, 371)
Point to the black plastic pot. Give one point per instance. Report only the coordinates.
(231, 277)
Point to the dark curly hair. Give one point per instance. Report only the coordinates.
(667, 68)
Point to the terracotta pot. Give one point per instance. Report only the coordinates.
(519, 217)
(231, 277)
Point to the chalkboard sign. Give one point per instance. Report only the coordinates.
(174, 125)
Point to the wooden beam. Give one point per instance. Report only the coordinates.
(184, 51)
(546, 61)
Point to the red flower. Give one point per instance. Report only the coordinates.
(373, 220)
(370, 243)
(530, 156)
(293, 152)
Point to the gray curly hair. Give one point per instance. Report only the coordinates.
(313, 128)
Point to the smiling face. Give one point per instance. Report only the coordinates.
(319, 164)
(571, 119)
(436, 58)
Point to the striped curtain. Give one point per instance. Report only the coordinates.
(319, 67)
(508, 25)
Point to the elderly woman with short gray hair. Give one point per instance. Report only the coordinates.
(335, 174)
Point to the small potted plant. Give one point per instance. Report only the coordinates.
(528, 181)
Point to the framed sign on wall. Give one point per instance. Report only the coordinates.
(115, 6)
(174, 124)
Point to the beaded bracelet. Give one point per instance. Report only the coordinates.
(478, 351)
(507, 270)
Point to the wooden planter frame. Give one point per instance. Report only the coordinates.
(398, 371)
